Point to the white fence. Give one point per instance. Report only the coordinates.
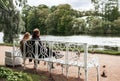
(66, 54)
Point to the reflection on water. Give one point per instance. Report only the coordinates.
(92, 40)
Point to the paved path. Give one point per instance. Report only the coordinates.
(112, 69)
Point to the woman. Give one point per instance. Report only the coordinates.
(26, 37)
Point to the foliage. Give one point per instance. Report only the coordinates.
(59, 21)
(25, 11)
(34, 17)
(94, 24)
(78, 26)
(116, 26)
(13, 76)
(109, 52)
(111, 12)
(10, 19)
(63, 20)
(55, 20)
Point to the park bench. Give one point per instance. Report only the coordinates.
(68, 53)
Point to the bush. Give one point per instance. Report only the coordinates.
(10, 75)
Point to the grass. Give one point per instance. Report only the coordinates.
(35, 76)
(109, 52)
(30, 73)
(6, 44)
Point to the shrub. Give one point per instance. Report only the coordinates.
(13, 76)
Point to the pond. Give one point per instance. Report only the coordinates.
(91, 40)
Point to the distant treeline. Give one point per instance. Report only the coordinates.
(63, 20)
(58, 20)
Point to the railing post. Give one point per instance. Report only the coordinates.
(85, 61)
(98, 71)
(36, 55)
(13, 53)
(66, 58)
(50, 47)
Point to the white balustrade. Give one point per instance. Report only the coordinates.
(67, 54)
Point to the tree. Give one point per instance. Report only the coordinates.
(10, 18)
(36, 18)
(95, 25)
(96, 6)
(59, 22)
(25, 12)
(111, 10)
(116, 26)
(78, 26)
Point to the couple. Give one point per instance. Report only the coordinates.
(36, 36)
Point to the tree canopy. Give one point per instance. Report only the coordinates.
(58, 20)
(63, 20)
(10, 18)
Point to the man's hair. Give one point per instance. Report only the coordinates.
(36, 33)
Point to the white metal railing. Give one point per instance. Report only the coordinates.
(68, 53)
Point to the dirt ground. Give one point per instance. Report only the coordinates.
(111, 63)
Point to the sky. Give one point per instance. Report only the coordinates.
(75, 4)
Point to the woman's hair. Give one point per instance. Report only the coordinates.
(36, 33)
(26, 35)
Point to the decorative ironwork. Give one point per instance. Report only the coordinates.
(65, 54)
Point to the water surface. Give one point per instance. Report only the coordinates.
(91, 40)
